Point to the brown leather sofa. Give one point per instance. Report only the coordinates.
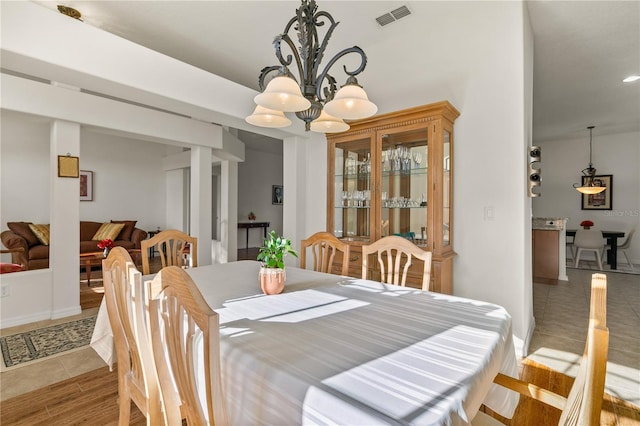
(35, 255)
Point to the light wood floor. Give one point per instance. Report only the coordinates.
(92, 398)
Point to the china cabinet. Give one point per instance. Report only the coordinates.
(392, 175)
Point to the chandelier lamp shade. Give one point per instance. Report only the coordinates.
(265, 117)
(589, 185)
(312, 93)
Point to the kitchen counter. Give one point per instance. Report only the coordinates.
(549, 249)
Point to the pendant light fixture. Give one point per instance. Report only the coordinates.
(314, 95)
(590, 185)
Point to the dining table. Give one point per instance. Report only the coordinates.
(612, 241)
(332, 349)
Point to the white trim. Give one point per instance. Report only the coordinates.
(25, 319)
(66, 312)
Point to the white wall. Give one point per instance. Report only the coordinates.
(24, 174)
(613, 154)
(259, 171)
(128, 180)
(490, 139)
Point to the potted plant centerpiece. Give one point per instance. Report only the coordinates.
(271, 254)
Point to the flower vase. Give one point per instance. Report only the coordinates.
(272, 280)
(105, 252)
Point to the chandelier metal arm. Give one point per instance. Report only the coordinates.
(327, 68)
(319, 51)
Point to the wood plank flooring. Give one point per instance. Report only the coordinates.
(92, 398)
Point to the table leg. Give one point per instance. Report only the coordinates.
(87, 269)
(612, 253)
(247, 243)
(265, 232)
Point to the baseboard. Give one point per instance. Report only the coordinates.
(66, 312)
(527, 340)
(21, 320)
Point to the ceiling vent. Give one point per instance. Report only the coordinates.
(393, 16)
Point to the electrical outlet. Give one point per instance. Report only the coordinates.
(4, 290)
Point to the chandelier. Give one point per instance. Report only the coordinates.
(313, 95)
(590, 185)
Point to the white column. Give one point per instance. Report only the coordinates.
(229, 211)
(201, 202)
(65, 223)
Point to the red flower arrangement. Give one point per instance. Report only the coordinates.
(106, 243)
(586, 224)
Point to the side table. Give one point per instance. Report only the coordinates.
(152, 249)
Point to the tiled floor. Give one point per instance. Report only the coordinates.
(562, 314)
(52, 370)
(561, 321)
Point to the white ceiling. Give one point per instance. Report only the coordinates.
(583, 49)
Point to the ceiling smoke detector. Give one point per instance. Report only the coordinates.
(393, 16)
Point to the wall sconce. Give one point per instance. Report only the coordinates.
(534, 174)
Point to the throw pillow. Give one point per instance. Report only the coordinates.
(22, 229)
(41, 232)
(108, 231)
(6, 268)
(129, 226)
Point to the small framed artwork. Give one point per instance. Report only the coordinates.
(276, 194)
(68, 166)
(602, 200)
(86, 185)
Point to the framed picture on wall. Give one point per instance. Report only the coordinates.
(276, 194)
(602, 200)
(68, 166)
(86, 185)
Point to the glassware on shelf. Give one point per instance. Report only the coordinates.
(417, 159)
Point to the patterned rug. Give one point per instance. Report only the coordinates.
(45, 342)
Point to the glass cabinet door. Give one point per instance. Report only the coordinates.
(446, 189)
(404, 185)
(353, 190)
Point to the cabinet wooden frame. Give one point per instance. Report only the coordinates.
(433, 121)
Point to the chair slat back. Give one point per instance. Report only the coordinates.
(323, 246)
(584, 402)
(398, 253)
(183, 327)
(175, 248)
(137, 379)
(589, 238)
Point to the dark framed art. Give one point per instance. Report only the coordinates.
(86, 185)
(602, 200)
(276, 194)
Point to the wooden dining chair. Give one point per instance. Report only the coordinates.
(184, 330)
(175, 248)
(584, 403)
(398, 253)
(324, 246)
(137, 379)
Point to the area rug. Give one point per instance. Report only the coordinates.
(29, 346)
(592, 265)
